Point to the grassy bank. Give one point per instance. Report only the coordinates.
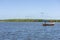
(26, 20)
(21, 20)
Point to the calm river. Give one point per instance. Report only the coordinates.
(28, 31)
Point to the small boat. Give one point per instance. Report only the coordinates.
(50, 23)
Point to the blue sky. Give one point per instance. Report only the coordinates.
(36, 9)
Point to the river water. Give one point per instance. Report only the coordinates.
(29, 31)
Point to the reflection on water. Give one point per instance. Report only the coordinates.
(28, 31)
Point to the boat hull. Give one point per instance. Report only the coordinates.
(48, 24)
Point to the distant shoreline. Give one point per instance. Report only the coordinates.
(26, 20)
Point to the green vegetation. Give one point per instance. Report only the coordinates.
(26, 20)
(21, 20)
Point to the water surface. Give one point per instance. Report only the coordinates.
(28, 31)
